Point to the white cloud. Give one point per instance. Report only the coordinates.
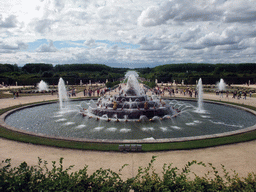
(190, 34)
(179, 11)
(90, 42)
(9, 22)
(11, 47)
(242, 11)
(127, 32)
(47, 48)
(153, 44)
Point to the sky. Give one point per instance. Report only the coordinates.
(127, 33)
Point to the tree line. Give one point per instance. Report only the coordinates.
(32, 73)
(210, 73)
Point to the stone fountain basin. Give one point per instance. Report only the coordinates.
(28, 122)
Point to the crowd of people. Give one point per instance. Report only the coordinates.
(169, 91)
(235, 94)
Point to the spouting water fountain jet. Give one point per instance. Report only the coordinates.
(200, 96)
(42, 86)
(62, 92)
(221, 85)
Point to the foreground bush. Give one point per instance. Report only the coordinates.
(40, 178)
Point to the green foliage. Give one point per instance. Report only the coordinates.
(151, 84)
(211, 73)
(8, 68)
(47, 74)
(37, 67)
(41, 178)
(110, 84)
(81, 67)
(73, 73)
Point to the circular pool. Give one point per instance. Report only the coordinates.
(49, 120)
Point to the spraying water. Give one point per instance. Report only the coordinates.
(200, 95)
(221, 85)
(62, 93)
(132, 83)
(42, 86)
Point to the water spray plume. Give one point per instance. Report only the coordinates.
(62, 92)
(42, 86)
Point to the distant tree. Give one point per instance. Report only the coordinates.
(8, 68)
(37, 68)
(47, 74)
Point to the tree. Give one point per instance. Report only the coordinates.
(37, 68)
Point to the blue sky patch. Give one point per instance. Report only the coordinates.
(32, 46)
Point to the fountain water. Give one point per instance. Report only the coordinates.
(130, 104)
(200, 96)
(132, 83)
(42, 86)
(62, 92)
(221, 85)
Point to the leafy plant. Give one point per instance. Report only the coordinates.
(41, 178)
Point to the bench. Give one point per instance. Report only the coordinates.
(130, 147)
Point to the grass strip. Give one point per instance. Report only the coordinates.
(204, 143)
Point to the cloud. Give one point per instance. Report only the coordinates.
(90, 42)
(242, 11)
(228, 37)
(11, 47)
(47, 48)
(178, 11)
(59, 5)
(42, 26)
(157, 15)
(190, 34)
(152, 44)
(145, 33)
(9, 22)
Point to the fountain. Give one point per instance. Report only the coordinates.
(42, 86)
(200, 96)
(130, 116)
(62, 93)
(130, 104)
(221, 85)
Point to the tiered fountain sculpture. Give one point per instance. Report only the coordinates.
(130, 104)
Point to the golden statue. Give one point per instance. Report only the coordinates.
(114, 105)
(146, 105)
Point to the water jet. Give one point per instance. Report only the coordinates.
(42, 86)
